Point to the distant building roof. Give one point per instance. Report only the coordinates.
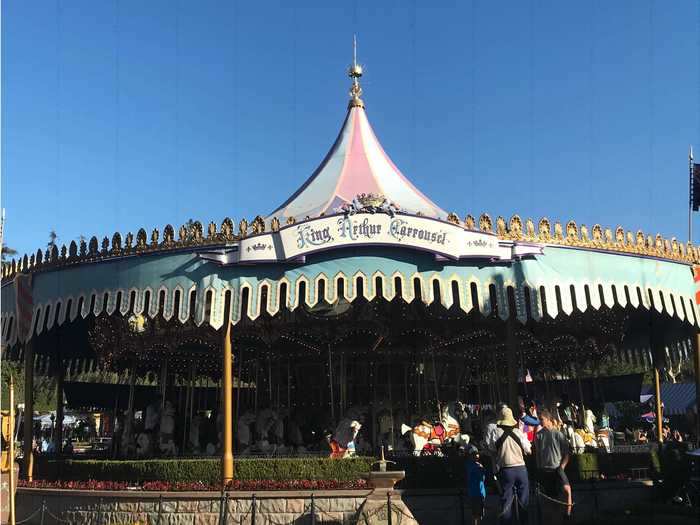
(676, 397)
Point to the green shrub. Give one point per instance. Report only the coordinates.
(207, 471)
(590, 465)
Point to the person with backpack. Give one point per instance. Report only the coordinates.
(509, 447)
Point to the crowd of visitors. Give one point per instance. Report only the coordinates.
(509, 441)
(535, 447)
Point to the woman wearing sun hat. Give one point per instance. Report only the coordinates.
(510, 446)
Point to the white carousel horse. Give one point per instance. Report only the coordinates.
(152, 416)
(427, 436)
(167, 431)
(264, 422)
(144, 445)
(343, 440)
(264, 425)
(244, 435)
(194, 434)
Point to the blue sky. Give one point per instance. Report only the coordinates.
(124, 114)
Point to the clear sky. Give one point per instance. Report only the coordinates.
(120, 114)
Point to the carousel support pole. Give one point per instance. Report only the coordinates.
(696, 362)
(129, 422)
(405, 389)
(478, 386)
(269, 382)
(511, 356)
(659, 408)
(391, 400)
(496, 381)
(435, 389)
(255, 394)
(163, 385)
(58, 430)
(330, 382)
(227, 394)
(239, 382)
(524, 373)
(188, 409)
(28, 408)
(582, 411)
(289, 386)
(341, 382)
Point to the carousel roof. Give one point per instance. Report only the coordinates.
(356, 165)
(406, 249)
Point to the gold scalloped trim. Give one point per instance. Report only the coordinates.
(192, 235)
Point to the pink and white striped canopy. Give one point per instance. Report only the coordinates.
(355, 164)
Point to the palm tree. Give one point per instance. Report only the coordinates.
(53, 237)
(6, 250)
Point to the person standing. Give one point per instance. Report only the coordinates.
(510, 446)
(476, 485)
(552, 456)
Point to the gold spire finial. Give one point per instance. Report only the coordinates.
(355, 72)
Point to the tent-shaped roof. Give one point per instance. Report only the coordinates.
(356, 164)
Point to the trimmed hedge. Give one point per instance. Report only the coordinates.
(207, 471)
(421, 472)
(591, 465)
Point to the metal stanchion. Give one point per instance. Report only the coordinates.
(313, 510)
(99, 512)
(388, 507)
(252, 511)
(43, 509)
(160, 507)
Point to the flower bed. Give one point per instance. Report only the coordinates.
(177, 486)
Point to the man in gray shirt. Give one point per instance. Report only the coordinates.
(552, 456)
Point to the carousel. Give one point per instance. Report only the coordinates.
(358, 312)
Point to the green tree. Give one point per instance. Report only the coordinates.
(44, 387)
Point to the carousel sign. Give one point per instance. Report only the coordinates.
(372, 229)
(444, 239)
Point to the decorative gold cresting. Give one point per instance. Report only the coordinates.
(191, 235)
(355, 72)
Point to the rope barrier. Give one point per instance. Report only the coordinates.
(52, 515)
(553, 500)
(25, 520)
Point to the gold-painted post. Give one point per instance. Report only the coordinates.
(696, 359)
(227, 386)
(12, 452)
(28, 409)
(659, 410)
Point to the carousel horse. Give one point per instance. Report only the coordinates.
(264, 425)
(152, 416)
(343, 440)
(244, 434)
(144, 444)
(193, 440)
(167, 431)
(428, 437)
